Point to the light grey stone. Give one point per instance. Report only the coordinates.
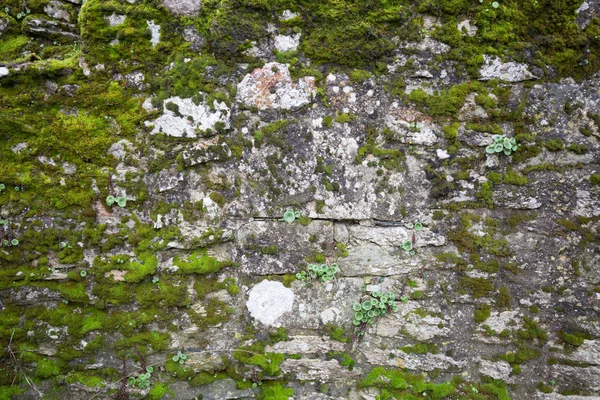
(190, 8)
(494, 68)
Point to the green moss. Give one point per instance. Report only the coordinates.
(421, 348)
(359, 75)
(327, 121)
(86, 379)
(577, 148)
(270, 250)
(574, 339)
(504, 298)
(47, 368)
(344, 118)
(200, 263)
(158, 391)
(217, 198)
(481, 313)
(275, 391)
(479, 287)
(446, 103)
(255, 355)
(595, 179)
(514, 178)
(554, 145)
(337, 333)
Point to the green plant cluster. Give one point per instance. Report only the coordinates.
(142, 381)
(377, 305)
(13, 242)
(290, 215)
(180, 357)
(120, 200)
(502, 144)
(322, 272)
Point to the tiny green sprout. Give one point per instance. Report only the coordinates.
(176, 358)
(28, 11)
(495, 4)
(6, 9)
(407, 245)
(4, 222)
(2, 186)
(155, 280)
(149, 369)
(5, 242)
(83, 274)
(418, 226)
(14, 242)
(290, 215)
(63, 245)
(17, 188)
(404, 299)
(110, 200)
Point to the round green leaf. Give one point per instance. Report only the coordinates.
(110, 200)
(366, 305)
(122, 201)
(498, 147)
(418, 226)
(356, 307)
(289, 215)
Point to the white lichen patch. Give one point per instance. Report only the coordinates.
(494, 68)
(268, 301)
(287, 43)
(190, 118)
(155, 33)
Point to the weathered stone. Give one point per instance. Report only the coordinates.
(494, 68)
(319, 370)
(46, 27)
(271, 87)
(183, 7)
(306, 345)
(58, 10)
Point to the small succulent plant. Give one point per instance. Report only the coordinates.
(2, 187)
(502, 144)
(142, 381)
(322, 272)
(180, 357)
(376, 305)
(120, 200)
(290, 215)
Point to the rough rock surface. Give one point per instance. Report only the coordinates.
(300, 200)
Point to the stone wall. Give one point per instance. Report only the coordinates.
(204, 199)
